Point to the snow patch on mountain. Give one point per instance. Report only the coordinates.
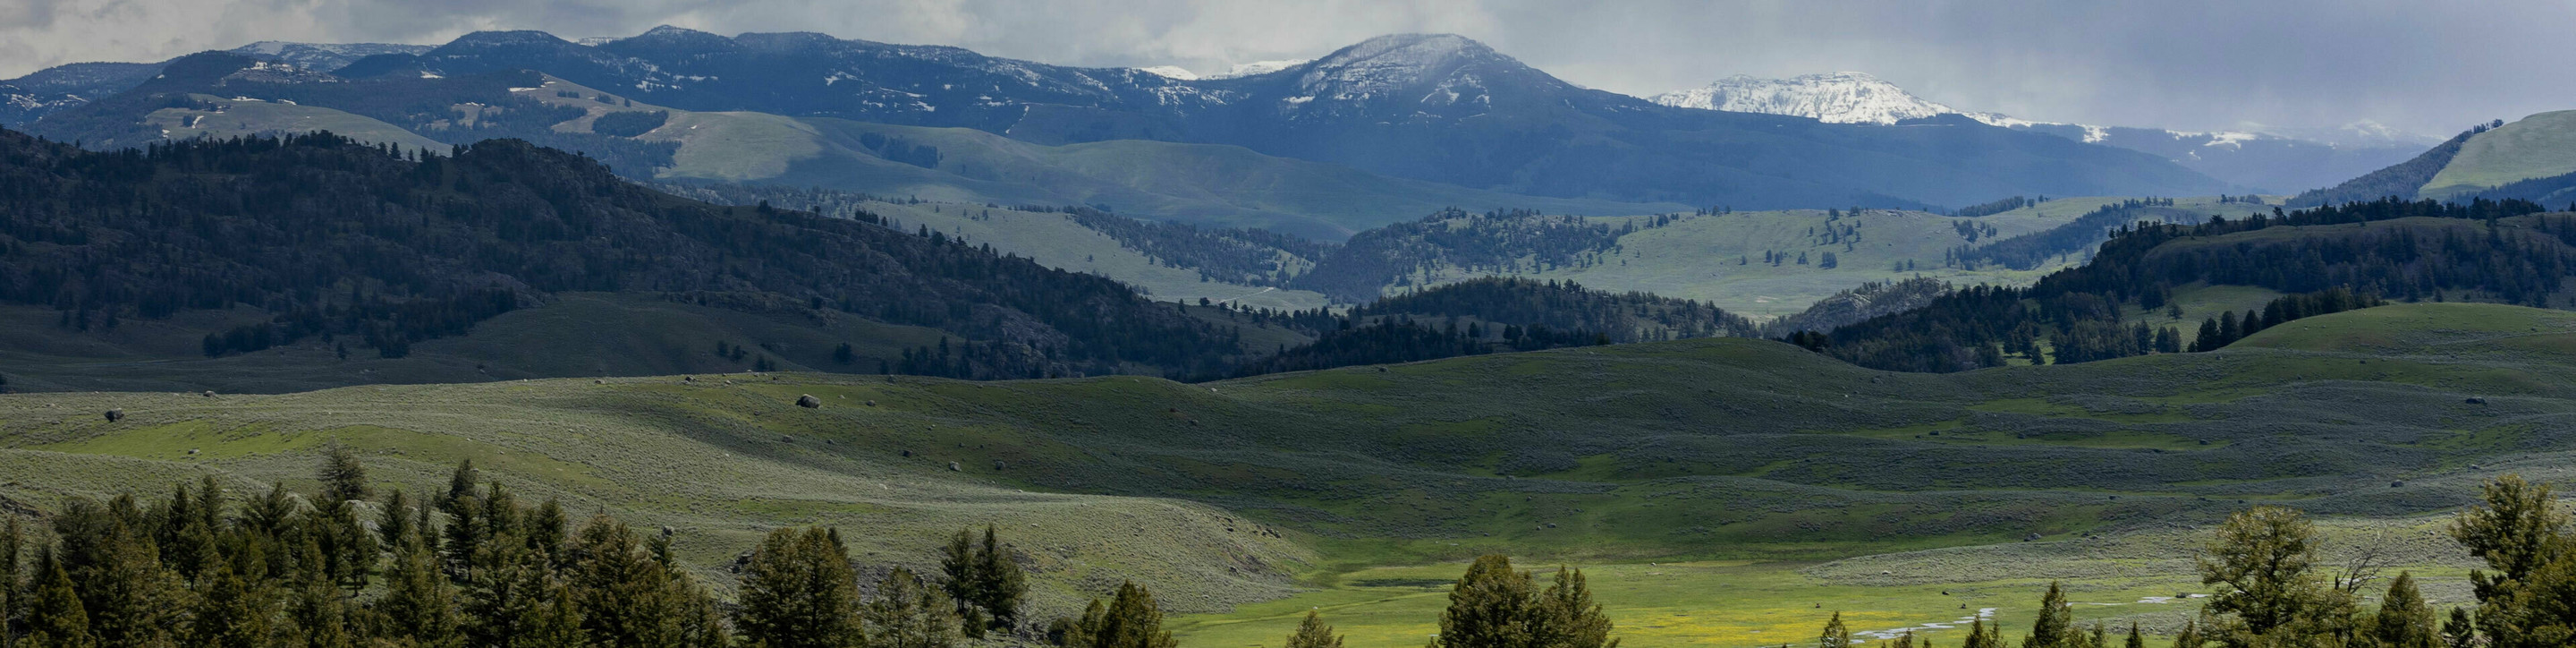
(1171, 72)
(1838, 97)
(1258, 68)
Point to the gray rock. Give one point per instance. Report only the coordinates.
(808, 401)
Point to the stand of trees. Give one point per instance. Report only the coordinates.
(2271, 586)
(2498, 249)
(1496, 242)
(471, 566)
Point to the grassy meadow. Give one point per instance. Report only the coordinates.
(1721, 492)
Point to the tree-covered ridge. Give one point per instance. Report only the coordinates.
(2390, 248)
(1491, 315)
(2030, 251)
(1252, 257)
(2400, 181)
(1564, 305)
(339, 238)
(1494, 242)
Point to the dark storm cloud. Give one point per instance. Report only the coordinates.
(2425, 66)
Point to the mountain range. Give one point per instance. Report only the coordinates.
(1419, 107)
(2263, 160)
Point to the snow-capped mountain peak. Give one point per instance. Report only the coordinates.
(1837, 97)
(1259, 67)
(1171, 72)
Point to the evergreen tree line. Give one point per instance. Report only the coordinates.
(1401, 339)
(388, 248)
(471, 566)
(1500, 242)
(1997, 207)
(1565, 305)
(2225, 329)
(2030, 251)
(2495, 248)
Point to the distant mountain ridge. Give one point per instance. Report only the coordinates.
(1433, 107)
(2255, 159)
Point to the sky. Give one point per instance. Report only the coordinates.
(2426, 67)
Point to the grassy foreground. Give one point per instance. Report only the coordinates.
(1722, 491)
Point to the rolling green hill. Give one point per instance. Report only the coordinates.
(1700, 450)
(2537, 146)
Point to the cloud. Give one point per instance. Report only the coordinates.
(2431, 67)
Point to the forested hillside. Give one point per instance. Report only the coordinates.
(2400, 181)
(382, 249)
(2329, 259)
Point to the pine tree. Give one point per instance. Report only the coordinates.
(129, 598)
(1836, 635)
(1000, 584)
(2404, 619)
(317, 616)
(2458, 631)
(799, 592)
(1490, 607)
(419, 606)
(1568, 618)
(2263, 559)
(1312, 633)
(1982, 634)
(56, 618)
(958, 563)
(343, 477)
(622, 592)
(909, 613)
(11, 580)
(2190, 636)
(1130, 620)
(2136, 639)
(2054, 629)
(233, 611)
(394, 523)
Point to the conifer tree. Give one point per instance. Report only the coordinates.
(233, 611)
(2404, 619)
(2263, 560)
(1982, 634)
(2136, 639)
(1490, 607)
(56, 617)
(1312, 633)
(2054, 629)
(963, 569)
(1568, 618)
(623, 593)
(11, 580)
(799, 592)
(1001, 583)
(419, 605)
(317, 616)
(909, 613)
(1836, 635)
(394, 523)
(129, 598)
(2459, 631)
(343, 477)
(1129, 620)
(2190, 636)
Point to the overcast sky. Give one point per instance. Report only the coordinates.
(2429, 67)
